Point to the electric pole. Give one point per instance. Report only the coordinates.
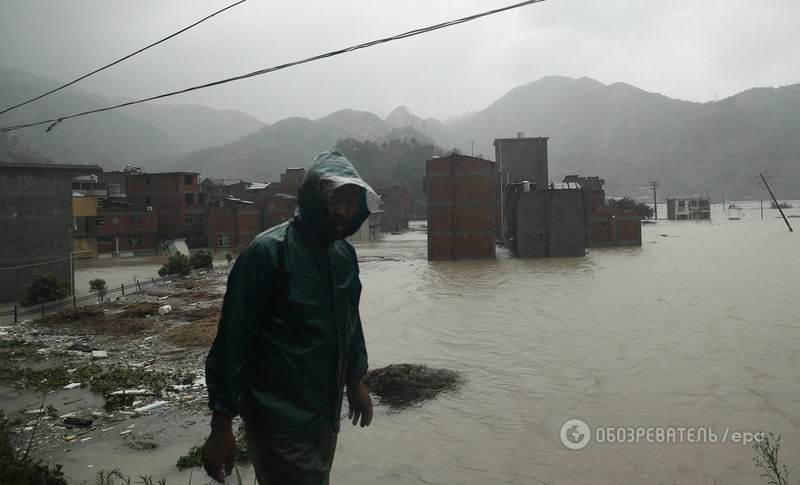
(654, 185)
(775, 201)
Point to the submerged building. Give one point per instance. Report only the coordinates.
(690, 208)
(462, 199)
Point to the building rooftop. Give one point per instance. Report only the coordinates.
(63, 167)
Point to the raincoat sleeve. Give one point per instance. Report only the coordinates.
(357, 360)
(243, 309)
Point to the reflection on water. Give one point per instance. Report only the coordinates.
(698, 327)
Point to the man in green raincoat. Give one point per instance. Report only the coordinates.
(290, 339)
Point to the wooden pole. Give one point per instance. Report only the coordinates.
(776, 203)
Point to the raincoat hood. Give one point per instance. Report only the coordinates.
(328, 172)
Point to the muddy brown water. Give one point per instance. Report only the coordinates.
(697, 328)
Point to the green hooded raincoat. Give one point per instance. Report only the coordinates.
(290, 334)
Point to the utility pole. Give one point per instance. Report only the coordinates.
(654, 184)
(472, 147)
(776, 203)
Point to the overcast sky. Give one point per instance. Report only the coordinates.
(689, 49)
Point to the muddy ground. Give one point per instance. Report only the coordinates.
(116, 384)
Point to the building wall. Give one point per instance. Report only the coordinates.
(462, 207)
(396, 206)
(616, 228)
(522, 159)
(176, 201)
(548, 223)
(124, 230)
(237, 223)
(36, 217)
(277, 209)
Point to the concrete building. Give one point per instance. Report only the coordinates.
(232, 223)
(396, 206)
(119, 228)
(37, 223)
(462, 202)
(521, 159)
(84, 211)
(175, 198)
(690, 208)
(615, 228)
(546, 223)
(278, 208)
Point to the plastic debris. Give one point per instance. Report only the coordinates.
(72, 385)
(163, 310)
(70, 437)
(150, 407)
(99, 354)
(81, 422)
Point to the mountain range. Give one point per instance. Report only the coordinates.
(619, 132)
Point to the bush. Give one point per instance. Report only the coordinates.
(98, 285)
(176, 264)
(45, 287)
(201, 259)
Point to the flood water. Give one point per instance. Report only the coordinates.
(697, 328)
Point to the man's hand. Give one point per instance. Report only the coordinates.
(359, 403)
(219, 451)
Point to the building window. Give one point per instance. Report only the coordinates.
(200, 218)
(188, 179)
(136, 219)
(99, 221)
(189, 219)
(134, 241)
(147, 201)
(115, 221)
(223, 241)
(189, 198)
(681, 205)
(113, 189)
(147, 179)
(201, 199)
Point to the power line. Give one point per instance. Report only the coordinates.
(121, 59)
(412, 33)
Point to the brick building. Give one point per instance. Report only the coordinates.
(232, 223)
(176, 200)
(462, 207)
(119, 227)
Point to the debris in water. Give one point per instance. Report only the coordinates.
(401, 385)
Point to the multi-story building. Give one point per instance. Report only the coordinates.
(175, 199)
(232, 223)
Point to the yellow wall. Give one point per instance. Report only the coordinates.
(84, 248)
(84, 206)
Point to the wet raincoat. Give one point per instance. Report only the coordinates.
(290, 334)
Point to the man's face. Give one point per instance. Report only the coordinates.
(342, 206)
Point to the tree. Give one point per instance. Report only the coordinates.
(45, 287)
(176, 264)
(201, 258)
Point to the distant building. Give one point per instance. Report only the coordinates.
(462, 207)
(36, 218)
(396, 206)
(519, 159)
(370, 229)
(119, 227)
(232, 223)
(278, 208)
(176, 200)
(615, 228)
(84, 211)
(692, 208)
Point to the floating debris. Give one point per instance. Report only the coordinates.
(401, 385)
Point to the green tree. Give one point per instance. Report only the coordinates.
(176, 264)
(45, 287)
(201, 258)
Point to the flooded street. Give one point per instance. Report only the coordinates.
(697, 328)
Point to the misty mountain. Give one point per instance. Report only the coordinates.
(293, 142)
(113, 139)
(629, 136)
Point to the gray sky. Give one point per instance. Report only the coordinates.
(689, 49)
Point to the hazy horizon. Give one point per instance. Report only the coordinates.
(682, 50)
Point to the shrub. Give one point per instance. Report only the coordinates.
(201, 259)
(176, 264)
(45, 287)
(98, 285)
